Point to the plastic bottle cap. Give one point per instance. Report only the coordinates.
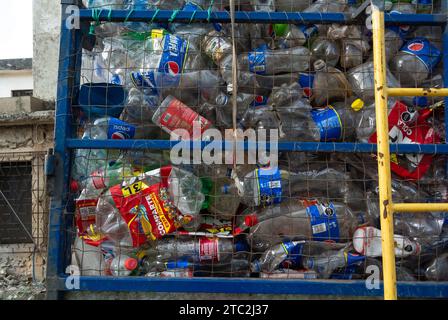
(307, 92)
(357, 105)
(250, 220)
(280, 29)
(130, 264)
(74, 186)
(319, 64)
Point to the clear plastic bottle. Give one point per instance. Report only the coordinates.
(88, 161)
(329, 84)
(104, 4)
(326, 6)
(123, 266)
(292, 255)
(329, 261)
(197, 250)
(415, 61)
(326, 49)
(367, 241)
(270, 62)
(318, 222)
(270, 185)
(438, 269)
(361, 79)
(291, 35)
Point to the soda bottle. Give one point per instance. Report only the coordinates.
(329, 84)
(291, 5)
(367, 241)
(165, 4)
(223, 198)
(320, 221)
(197, 250)
(86, 161)
(415, 61)
(361, 79)
(291, 35)
(354, 46)
(329, 261)
(123, 266)
(270, 62)
(437, 270)
(291, 255)
(104, 4)
(327, 50)
(424, 6)
(264, 186)
(326, 6)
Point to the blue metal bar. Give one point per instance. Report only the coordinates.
(57, 251)
(282, 146)
(256, 17)
(256, 286)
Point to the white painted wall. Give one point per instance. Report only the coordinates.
(22, 80)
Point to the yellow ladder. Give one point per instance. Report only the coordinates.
(387, 207)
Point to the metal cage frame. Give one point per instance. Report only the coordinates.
(61, 210)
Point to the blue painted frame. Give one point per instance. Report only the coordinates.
(61, 218)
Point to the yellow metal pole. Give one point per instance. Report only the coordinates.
(384, 175)
(420, 207)
(412, 92)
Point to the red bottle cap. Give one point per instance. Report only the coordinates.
(251, 220)
(74, 186)
(130, 264)
(308, 92)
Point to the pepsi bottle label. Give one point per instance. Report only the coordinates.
(422, 49)
(145, 80)
(306, 81)
(269, 186)
(257, 62)
(329, 124)
(120, 130)
(294, 258)
(324, 222)
(259, 101)
(172, 60)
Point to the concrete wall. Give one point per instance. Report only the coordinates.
(15, 80)
(46, 17)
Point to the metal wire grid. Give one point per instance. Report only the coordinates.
(364, 166)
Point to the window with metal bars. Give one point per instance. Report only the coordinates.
(15, 202)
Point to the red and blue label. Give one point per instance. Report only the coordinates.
(324, 222)
(172, 59)
(145, 80)
(306, 81)
(424, 51)
(257, 62)
(294, 258)
(329, 124)
(269, 185)
(120, 130)
(259, 101)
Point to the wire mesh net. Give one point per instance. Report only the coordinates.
(183, 212)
